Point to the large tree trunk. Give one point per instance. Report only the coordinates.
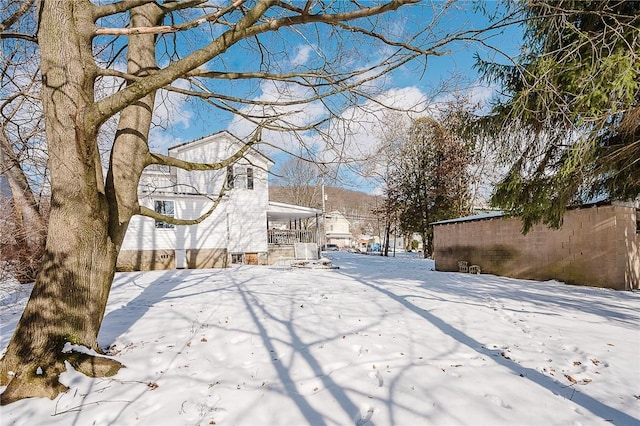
(78, 265)
(130, 152)
(88, 220)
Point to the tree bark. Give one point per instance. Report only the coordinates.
(78, 265)
(130, 152)
(88, 220)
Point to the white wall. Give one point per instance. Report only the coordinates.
(211, 233)
(337, 224)
(239, 222)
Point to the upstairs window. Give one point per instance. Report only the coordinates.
(249, 178)
(166, 208)
(230, 177)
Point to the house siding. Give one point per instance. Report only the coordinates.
(337, 230)
(238, 224)
(596, 246)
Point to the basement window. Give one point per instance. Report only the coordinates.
(166, 208)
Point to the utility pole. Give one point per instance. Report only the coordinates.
(324, 215)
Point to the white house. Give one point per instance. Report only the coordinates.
(337, 229)
(237, 230)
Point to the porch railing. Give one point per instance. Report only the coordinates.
(291, 236)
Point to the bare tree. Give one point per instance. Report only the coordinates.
(22, 149)
(149, 48)
(383, 165)
(301, 181)
(431, 179)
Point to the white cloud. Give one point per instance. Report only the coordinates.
(348, 138)
(289, 116)
(301, 58)
(356, 132)
(160, 140)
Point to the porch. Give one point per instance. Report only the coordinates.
(287, 225)
(291, 236)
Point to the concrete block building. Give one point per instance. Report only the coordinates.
(598, 245)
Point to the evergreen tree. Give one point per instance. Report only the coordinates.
(570, 117)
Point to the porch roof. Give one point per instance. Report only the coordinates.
(281, 212)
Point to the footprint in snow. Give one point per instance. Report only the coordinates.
(366, 412)
(375, 375)
(358, 349)
(497, 400)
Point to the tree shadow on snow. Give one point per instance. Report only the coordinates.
(546, 294)
(311, 415)
(120, 320)
(570, 393)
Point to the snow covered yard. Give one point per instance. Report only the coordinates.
(381, 341)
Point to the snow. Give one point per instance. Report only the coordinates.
(380, 341)
(479, 216)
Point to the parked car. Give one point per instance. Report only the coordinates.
(330, 247)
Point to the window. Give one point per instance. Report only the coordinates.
(165, 208)
(249, 178)
(230, 177)
(637, 221)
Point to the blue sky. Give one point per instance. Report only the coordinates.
(410, 83)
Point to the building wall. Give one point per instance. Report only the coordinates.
(279, 253)
(146, 260)
(242, 223)
(340, 241)
(337, 230)
(337, 223)
(596, 246)
(142, 233)
(238, 224)
(207, 258)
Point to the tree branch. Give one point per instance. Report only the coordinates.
(155, 158)
(117, 7)
(112, 104)
(145, 211)
(27, 37)
(317, 96)
(166, 29)
(7, 23)
(245, 28)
